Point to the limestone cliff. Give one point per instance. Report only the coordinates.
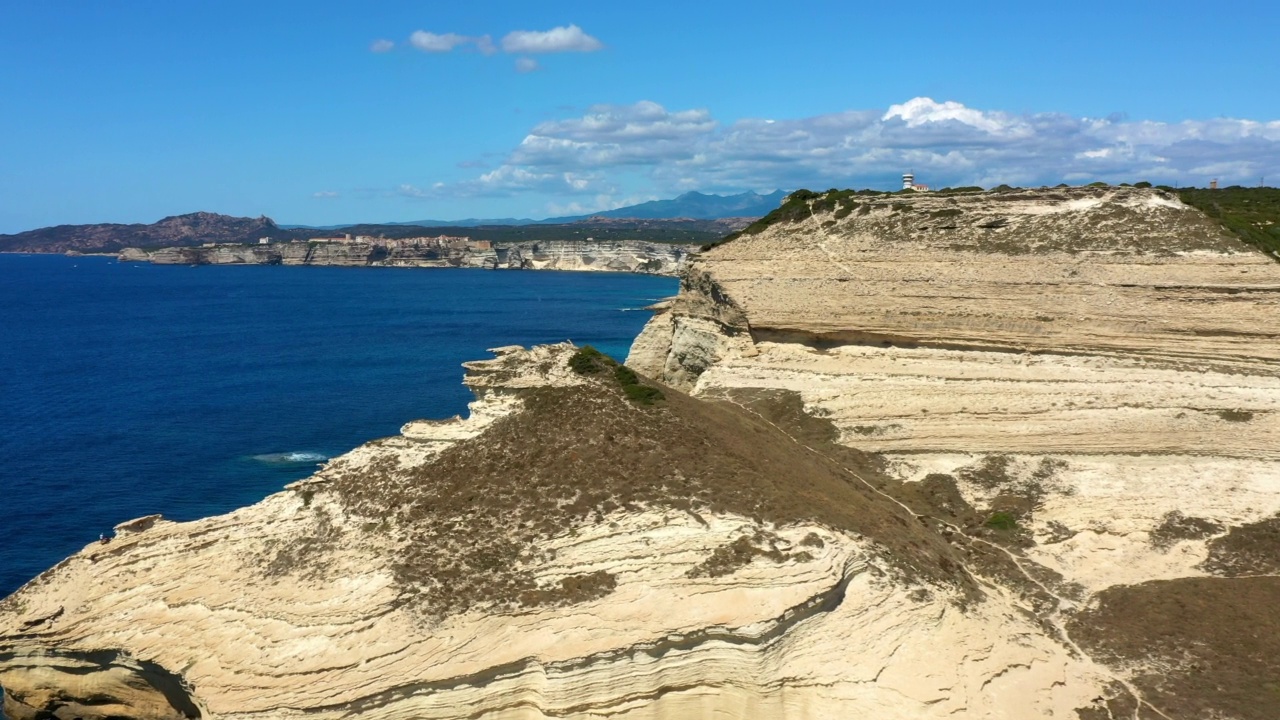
(617, 256)
(562, 552)
(1087, 372)
(963, 456)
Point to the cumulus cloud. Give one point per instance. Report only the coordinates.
(650, 148)
(592, 159)
(431, 42)
(569, 38)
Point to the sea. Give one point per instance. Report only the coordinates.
(128, 389)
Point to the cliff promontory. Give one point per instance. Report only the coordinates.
(571, 549)
(1006, 454)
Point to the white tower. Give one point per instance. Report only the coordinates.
(908, 181)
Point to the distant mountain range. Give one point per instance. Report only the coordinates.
(692, 217)
(693, 205)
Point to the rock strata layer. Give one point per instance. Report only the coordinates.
(962, 456)
(1087, 375)
(562, 552)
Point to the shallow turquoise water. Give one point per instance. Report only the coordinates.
(130, 389)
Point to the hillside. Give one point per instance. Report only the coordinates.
(1253, 214)
(190, 229)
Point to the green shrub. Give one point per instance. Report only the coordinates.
(642, 394)
(588, 361)
(1004, 521)
(632, 387)
(1252, 214)
(625, 375)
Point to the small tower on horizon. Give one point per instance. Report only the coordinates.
(908, 181)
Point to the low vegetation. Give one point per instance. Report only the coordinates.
(589, 361)
(729, 558)
(1252, 214)
(471, 528)
(1003, 521)
(1175, 527)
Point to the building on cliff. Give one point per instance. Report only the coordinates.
(909, 183)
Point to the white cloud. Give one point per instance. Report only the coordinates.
(431, 42)
(921, 110)
(644, 147)
(412, 191)
(325, 194)
(570, 38)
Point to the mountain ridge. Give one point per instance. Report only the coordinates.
(693, 205)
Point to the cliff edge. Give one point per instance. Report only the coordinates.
(573, 548)
(1090, 370)
(1004, 454)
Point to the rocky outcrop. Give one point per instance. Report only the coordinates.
(892, 492)
(616, 256)
(562, 552)
(1086, 374)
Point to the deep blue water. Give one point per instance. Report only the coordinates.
(130, 389)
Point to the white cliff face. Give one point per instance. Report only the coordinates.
(1096, 365)
(1034, 502)
(805, 639)
(577, 255)
(706, 612)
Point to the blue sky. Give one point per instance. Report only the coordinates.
(129, 111)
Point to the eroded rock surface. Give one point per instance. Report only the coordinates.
(992, 455)
(1085, 377)
(562, 552)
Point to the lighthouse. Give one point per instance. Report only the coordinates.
(908, 181)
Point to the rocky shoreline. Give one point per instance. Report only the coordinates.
(578, 255)
(1002, 454)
